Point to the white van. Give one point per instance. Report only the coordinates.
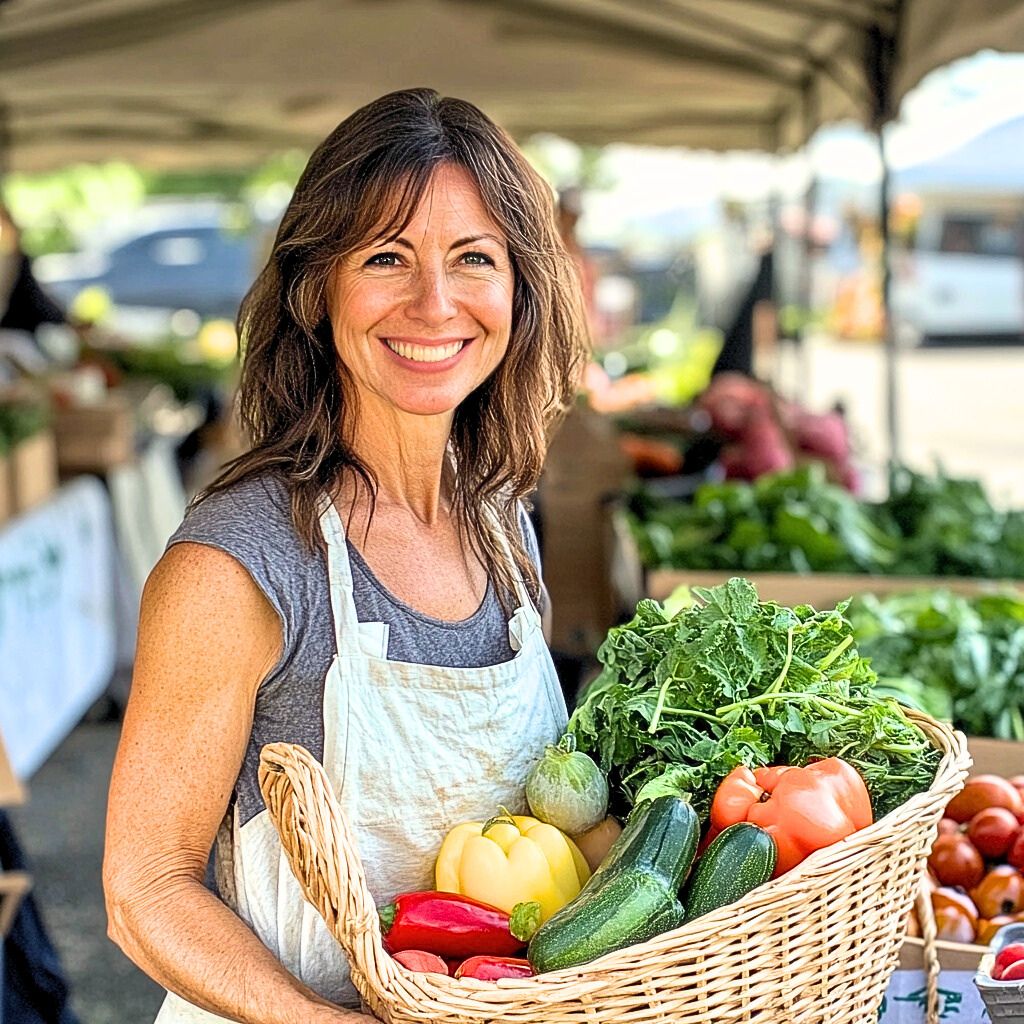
(962, 274)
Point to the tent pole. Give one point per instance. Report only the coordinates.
(806, 291)
(889, 333)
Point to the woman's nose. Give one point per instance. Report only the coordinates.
(433, 298)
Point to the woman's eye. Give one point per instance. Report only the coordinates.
(383, 259)
(477, 259)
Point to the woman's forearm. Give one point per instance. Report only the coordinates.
(191, 943)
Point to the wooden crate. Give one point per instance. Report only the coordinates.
(95, 438)
(33, 471)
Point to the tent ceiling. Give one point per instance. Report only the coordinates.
(205, 81)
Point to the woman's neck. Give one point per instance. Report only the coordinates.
(407, 455)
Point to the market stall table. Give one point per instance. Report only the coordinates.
(58, 619)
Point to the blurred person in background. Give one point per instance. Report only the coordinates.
(364, 580)
(24, 306)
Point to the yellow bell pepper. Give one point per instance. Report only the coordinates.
(511, 859)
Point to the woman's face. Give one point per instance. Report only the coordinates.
(422, 320)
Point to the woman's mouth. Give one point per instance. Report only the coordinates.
(418, 353)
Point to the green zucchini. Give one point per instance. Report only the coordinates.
(633, 895)
(740, 858)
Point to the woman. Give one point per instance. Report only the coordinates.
(364, 580)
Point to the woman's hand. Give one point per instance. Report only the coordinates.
(207, 638)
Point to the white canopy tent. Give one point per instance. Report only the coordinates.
(172, 82)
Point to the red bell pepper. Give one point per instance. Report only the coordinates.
(802, 809)
(455, 926)
(491, 968)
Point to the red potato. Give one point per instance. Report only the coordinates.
(948, 827)
(993, 831)
(420, 962)
(955, 861)
(1015, 972)
(1009, 955)
(982, 792)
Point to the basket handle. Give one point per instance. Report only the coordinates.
(317, 841)
(929, 935)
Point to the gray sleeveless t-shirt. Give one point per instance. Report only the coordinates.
(252, 522)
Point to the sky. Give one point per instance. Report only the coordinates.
(660, 192)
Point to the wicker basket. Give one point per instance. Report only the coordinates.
(814, 947)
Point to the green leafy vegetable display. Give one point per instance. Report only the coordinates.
(959, 658)
(733, 680)
(799, 522)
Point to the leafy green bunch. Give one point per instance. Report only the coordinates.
(958, 658)
(800, 522)
(732, 680)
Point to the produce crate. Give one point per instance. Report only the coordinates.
(821, 590)
(6, 497)
(33, 471)
(95, 438)
(958, 962)
(11, 792)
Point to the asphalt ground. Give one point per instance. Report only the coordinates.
(61, 829)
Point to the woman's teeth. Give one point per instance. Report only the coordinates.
(424, 353)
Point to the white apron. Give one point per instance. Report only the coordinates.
(411, 750)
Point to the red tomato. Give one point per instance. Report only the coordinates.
(953, 925)
(948, 827)
(982, 792)
(1015, 972)
(420, 962)
(1001, 891)
(955, 861)
(993, 831)
(1015, 856)
(1018, 783)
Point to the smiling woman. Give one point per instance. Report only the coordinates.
(364, 580)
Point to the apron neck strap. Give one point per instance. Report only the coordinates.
(339, 574)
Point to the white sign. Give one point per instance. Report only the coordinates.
(959, 999)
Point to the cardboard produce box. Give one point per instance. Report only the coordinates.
(958, 996)
(95, 438)
(33, 470)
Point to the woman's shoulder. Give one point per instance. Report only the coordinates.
(251, 514)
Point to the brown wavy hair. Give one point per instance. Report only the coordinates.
(296, 401)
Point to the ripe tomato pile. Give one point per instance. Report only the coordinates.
(976, 867)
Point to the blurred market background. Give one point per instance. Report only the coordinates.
(800, 230)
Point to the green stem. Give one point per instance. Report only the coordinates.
(780, 679)
(683, 713)
(659, 707)
(834, 653)
(771, 698)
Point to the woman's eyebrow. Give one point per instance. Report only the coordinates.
(405, 243)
